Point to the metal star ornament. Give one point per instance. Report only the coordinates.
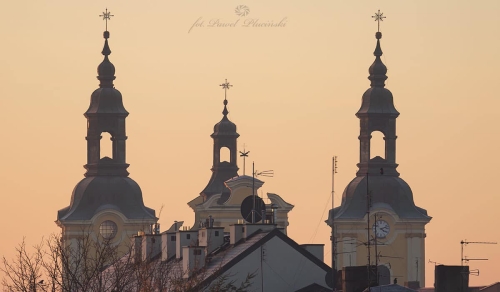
(379, 16)
(105, 16)
(226, 87)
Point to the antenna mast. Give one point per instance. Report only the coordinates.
(334, 251)
(267, 173)
(465, 259)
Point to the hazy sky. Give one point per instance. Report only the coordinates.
(296, 90)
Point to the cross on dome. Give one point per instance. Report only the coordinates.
(105, 16)
(379, 16)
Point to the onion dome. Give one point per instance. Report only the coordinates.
(377, 99)
(106, 99)
(106, 70)
(225, 127)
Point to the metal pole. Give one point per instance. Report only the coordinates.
(253, 192)
(376, 250)
(334, 267)
(368, 229)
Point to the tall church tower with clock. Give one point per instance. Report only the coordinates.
(107, 203)
(377, 205)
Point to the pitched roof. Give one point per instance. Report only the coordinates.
(223, 261)
(491, 287)
(224, 258)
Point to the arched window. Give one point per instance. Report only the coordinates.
(377, 145)
(224, 154)
(106, 147)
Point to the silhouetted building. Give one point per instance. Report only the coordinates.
(107, 203)
(397, 225)
(226, 190)
(225, 136)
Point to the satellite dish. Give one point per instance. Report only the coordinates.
(247, 206)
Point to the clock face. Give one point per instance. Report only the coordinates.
(381, 228)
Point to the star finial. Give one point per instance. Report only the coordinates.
(225, 86)
(105, 16)
(379, 16)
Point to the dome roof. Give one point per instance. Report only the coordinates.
(123, 193)
(385, 190)
(106, 100)
(377, 100)
(225, 127)
(106, 68)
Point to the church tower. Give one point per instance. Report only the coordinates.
(106, 204)
(225, 139)
(221, 199)
(378, 219)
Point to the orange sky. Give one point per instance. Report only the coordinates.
(296, 90)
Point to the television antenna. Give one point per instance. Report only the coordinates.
(435, 263)
(265, 173)
(463, 258)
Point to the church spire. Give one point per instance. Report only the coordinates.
(225, 136)
(377, 70)
(226, 87)
(106, 70)
(377, 113)
(106, 114)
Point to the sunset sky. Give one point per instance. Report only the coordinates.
(296, 90)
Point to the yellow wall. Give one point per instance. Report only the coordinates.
(401, 248)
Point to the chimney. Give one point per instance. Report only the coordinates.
(185, 237)
(193, 259)
(355, 278)
(274, 210)
(451, 278)
(316, 250)
(168, 247)
(211, 238)
(136, 247)
(151, 246)
(236, 232)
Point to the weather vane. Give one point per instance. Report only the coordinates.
(225, 86)
(105, 16)
(379, 16)
(244, 154)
